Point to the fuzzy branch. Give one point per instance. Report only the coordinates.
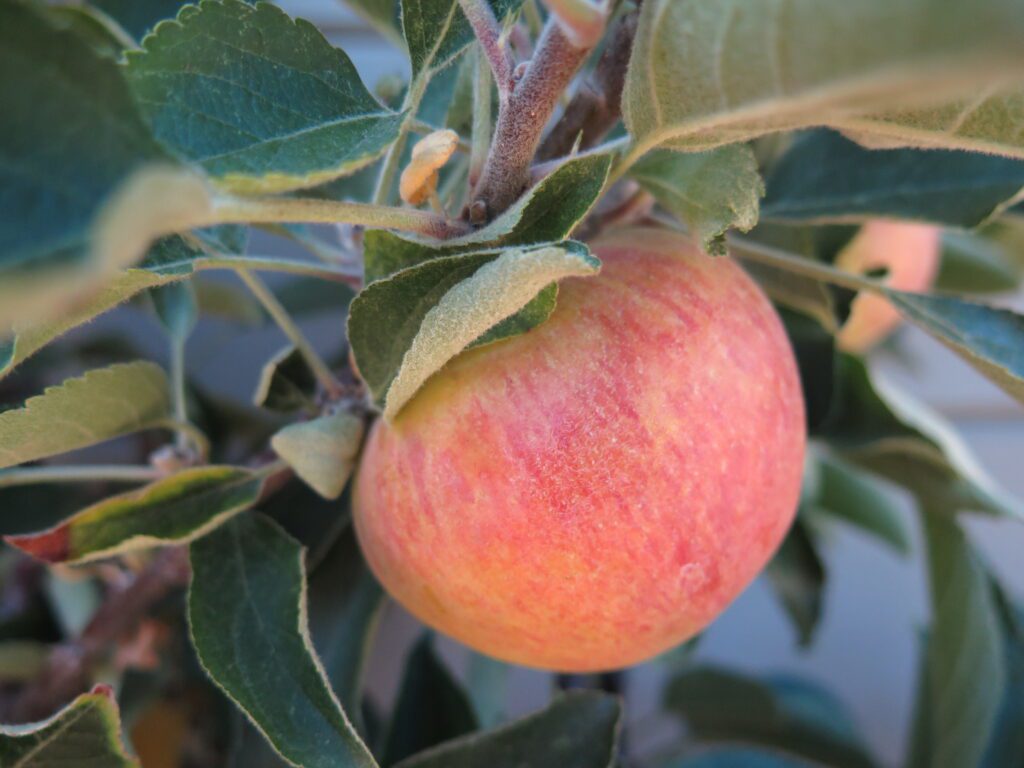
(488, 32)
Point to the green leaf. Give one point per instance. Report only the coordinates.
(578, 730)
(436, 31)
(705, 75)
(990, 339)
(964, 662)
(86, 732)
(286, 383)
(247, 613)
(547, 213)
(798, 575)
(405, 328)
(85, 187)
(972, 263)
(262, 102)
(177, 307)
(825, 177)
(101, 33)
(175, 510)
(431, 706)
(798, 720)
(1006, 747)
(710, 192)
(383, 15)
(139, 16)
(322, 451)
(101, 405)
(487, 688)
(736, 757)
(839, 490)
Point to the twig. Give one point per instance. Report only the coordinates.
(274, 308)
(488, 33)
(522, 118)
(78, 473)
(597, 105)
(275, 264)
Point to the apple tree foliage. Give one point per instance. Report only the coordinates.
(143, 144)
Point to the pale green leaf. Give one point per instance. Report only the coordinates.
(578, 730)
(405, 328)
(263, 102)
(322, 451)
(706, 74)
(101, 405)
(710, 192)
(87, 732)
(174, 510)
(247, 613)
(825, 177)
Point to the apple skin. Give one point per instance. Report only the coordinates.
(910, 252)
(593, 492)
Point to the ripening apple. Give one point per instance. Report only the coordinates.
(909, 252)
(599, 489)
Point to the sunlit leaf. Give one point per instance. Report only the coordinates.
(322, 451)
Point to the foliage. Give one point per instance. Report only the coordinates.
(140, 142)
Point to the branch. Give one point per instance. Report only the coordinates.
(522, 118)
(488, 32)
(78, 473)
(597, 105)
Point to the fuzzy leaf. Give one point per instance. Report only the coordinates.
(174, 510)
(262, 102)
(249, 576)
(431, 706)
(990, 339)
(101, 405)
(86, 732)
(322, 451)
(964, 660)
(578, 730)
(84, 189)
(405, 328)
(436, 31)
(703, 75)
(826, 178)
(710, 192)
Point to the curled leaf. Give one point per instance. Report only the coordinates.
(419, 179)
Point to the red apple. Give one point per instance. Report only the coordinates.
(911, 254)
(596, 491)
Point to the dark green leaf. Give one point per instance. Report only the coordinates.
(578, 730)
(175, 510)
(436, 30)
(972, 263)
(1006, 747)
(264, 103)
(825, 177)
(431, 706)
(139, 16)
(721, 706)
(87, 732)
(286, 384)
(710, 192)
(248, 619)
(798, 575)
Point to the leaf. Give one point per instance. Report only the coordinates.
(547, 213)
(578, 730)
(840, 491)
(710, 192)
(175, 510)
(383, 15)
(964, 662)
(101, 405)
(286, 383)
(736, 757)
(988, 121)
(139, 16)
(262, 102)
(990, 339)
(436, 31)
(405, 328)
(705, 75)
(431, 706)
(86, 732)
(1006, 746)
(798, 575)
(825, 177)
(85, 189)
(721, 706)
(801, 294)
(972, 263)
(247, 613)
(177, 308)
(487, 688)
(322, 451)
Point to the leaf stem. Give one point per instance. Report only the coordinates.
(194, 434)
(389, 169)
(82, 473)
(488, 33)
(178, 387)
(291, 329)
(275, 264)
(275, 210)
(816, 270)
(481, 118)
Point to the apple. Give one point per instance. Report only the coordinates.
(910, 252)
(597, 490)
